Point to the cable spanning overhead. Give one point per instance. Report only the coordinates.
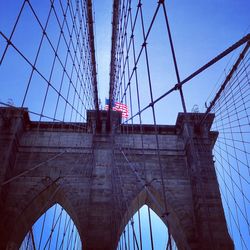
(92, 47)
(231, 106)
(55, 63)
(115, 28)
(138, 55)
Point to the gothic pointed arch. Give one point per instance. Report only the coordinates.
(35, 209)
(152, 197)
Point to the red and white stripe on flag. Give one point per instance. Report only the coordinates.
(122, 108)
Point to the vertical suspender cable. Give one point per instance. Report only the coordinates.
(150, 229)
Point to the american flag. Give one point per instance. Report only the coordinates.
(117, 106)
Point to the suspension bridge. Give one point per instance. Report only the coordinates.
(76, 176)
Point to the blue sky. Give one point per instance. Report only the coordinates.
(53, 230)
(200, 31)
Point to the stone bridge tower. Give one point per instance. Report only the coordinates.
(100, 173)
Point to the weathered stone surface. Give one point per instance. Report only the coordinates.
(102, 173)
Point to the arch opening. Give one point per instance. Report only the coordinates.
(54, 229)
(146, 230)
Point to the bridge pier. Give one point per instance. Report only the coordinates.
(93, 181)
